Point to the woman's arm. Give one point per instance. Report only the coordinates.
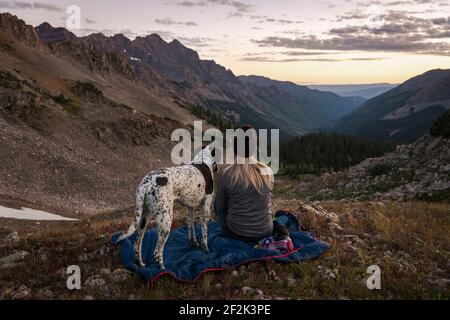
(221, 201)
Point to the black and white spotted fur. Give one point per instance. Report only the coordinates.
(155, 198)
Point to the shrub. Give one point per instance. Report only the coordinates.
(8, 80)
(87, 88)
(66, 103)
(379, 169)
(441, 126)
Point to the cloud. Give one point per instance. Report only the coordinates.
(47, 7)
(397, 32)
(30, 5)
(287, 60)
(198, 42)
(90, 21)
(170, 22)
(192, 3)
(266, 19)
(238, 6)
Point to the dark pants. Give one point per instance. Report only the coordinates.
(230, 234)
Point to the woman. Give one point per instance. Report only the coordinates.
(243, 199)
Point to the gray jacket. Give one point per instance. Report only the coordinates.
(245, 211)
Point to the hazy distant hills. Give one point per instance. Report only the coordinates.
(367, 91)
(404, 113)
(329, 105)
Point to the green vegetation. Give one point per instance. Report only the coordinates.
(214, 118)
(326, 152)
(87, 88)
(66, 103)
(379, 169)
(442, 125)
(8, 80)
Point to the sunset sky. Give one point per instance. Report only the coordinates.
(305, 41)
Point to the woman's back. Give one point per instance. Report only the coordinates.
(245, 210)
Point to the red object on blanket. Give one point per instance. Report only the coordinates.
(284, 245)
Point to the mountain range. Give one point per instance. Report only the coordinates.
(175, 76)
(402, 114)
(82, 119)
(168, 79)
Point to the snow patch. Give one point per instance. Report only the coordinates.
(135, 59)
(31, 214)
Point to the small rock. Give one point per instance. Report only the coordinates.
(242, 270)
(218, 286)
(132, 297)
(121, 275)
(105, 271)
(103, 251)
(234, 274)
(348, 246)
(23, 292)
(291, 282)
(258, 292)
(12, 237)
(97, 283)
(248, 291)
(327, 273)
(12, 259)
(272, 276)
(46, 294)
(88, 298)
(441, 282)
(83, 257)
(388, 253)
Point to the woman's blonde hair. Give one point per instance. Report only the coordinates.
(250, 174)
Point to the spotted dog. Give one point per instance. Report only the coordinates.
(190, 185)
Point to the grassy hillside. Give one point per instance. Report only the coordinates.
(408, 241)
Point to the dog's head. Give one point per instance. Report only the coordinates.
(207, 156)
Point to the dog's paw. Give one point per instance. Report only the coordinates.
(195, 243)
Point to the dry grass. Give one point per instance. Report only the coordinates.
(409, 241)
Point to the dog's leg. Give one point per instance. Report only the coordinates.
(141, 228)
(191, 226)
(163, 223)
(204, 222)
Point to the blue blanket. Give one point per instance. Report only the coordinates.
(187, 263)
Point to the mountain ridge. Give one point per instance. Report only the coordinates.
(402, 114)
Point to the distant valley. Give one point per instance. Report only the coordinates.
(366, 91)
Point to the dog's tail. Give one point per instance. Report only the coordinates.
(140, 198)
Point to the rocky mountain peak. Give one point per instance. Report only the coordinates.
(49, 34)
(12, 25)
